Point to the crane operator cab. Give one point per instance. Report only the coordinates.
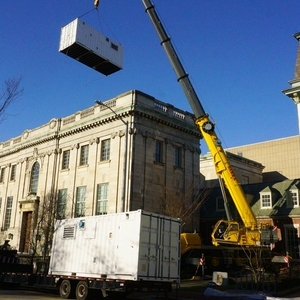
(225, 231)
(230, 232)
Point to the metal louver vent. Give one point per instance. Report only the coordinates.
(69, 232)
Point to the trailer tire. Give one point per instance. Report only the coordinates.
(66, 289)
(82, 290)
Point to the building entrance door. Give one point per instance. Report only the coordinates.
(26, 231)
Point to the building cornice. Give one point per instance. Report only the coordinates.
(131, 104)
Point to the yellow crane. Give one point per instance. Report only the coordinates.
(250, 232)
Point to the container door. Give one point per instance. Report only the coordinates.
(169, 246)
(149, 244)
(160, 246)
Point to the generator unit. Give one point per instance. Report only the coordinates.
(90, 47)
(135, 245)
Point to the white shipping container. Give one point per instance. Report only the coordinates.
(135, 245)
(92, 48)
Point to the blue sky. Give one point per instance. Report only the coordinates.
(240, 55)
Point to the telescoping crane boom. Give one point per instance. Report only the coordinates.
(250, 233)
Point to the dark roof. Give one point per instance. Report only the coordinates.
(279, 192)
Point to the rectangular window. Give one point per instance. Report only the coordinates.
(177, 162)
(80, 201)
(293, 199)
(245, 179)
(159, 151)
(220, 203)
(66, 160)
(13, 172)
(292, 240)
(61, 203)
(102, 199)
(8, 212)
(105, 150)
(266, 200)
(114, 46)
(84, 154)
(2, 175)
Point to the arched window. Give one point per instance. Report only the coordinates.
(35, 170)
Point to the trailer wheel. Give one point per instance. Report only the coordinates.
(82, 290)
(66, 289)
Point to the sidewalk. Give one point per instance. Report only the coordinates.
(198, 289)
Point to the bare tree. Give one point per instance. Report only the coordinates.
(42, 231)
(183, 205)
(47, 213)
(11, 92)
(51, 209)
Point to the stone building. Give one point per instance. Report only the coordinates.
(246, 170)
(130, 152)
(281, 157)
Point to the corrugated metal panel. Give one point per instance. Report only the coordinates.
(132, 246)
(90, 47)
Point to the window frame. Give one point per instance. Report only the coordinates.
(220, 206)
(65, 164)
(293, 195)
(80, 201)
(84, 155)
(292, 231)
(158, 155)
(177, 157)
(2, 174)
(263, 196)
(8, 213)
(102, 199)
(105, 150)
(245, 179)
(61, 203)
(34, 177)
(13, 172)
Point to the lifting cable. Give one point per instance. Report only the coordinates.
(88, 12)
(96, 4)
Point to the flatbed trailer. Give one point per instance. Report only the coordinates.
(109, 255)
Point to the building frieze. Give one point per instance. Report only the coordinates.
(166, 122)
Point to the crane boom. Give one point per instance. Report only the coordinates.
(250, 232)
(182, 76)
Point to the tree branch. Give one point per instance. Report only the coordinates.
(11, 93)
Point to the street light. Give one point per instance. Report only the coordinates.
(125, 153)
(120, 118)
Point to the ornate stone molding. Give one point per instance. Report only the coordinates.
(122, 133)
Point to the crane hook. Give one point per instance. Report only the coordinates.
(96, 3)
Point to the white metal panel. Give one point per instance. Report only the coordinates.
(131, 246)
(92, 48)
(159, 254)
